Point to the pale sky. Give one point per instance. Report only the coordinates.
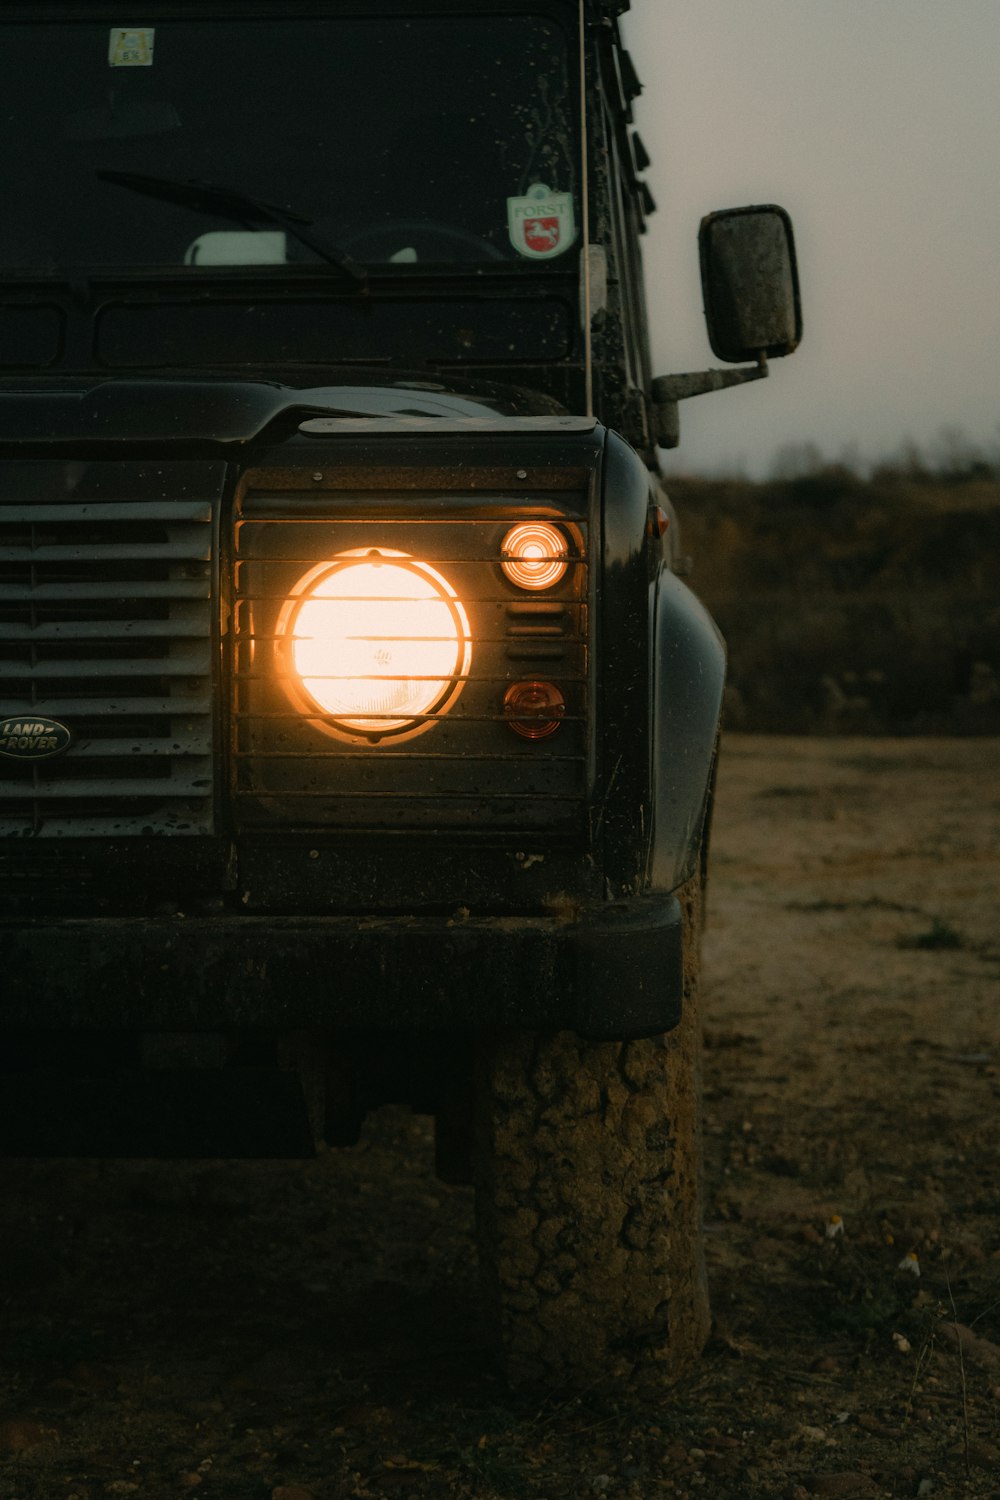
(876, 123)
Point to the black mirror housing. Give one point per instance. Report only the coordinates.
(750, 283)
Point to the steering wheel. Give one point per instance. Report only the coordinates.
(380, 241)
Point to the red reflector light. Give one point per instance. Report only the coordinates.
(534, 710)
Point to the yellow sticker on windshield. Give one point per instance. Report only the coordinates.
(131, 46)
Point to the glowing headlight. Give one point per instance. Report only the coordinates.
(534, 555)
(375, 641)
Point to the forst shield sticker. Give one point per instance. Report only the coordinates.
(131, 46)
(541, 223)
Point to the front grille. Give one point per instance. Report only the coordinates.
(468, 771)
(106, 627)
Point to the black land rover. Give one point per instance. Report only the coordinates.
(356, 731)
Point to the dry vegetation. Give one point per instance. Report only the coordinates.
(854, 605)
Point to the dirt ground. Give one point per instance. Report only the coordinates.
(308, 1331)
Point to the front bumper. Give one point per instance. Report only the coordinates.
(613, 971)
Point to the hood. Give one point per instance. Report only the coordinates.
(224, 411)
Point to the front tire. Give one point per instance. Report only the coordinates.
(588, 1198)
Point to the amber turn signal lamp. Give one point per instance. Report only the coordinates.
(534, 710)
(656, 523)
(533, 555)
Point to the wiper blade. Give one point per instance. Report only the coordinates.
(232, 204)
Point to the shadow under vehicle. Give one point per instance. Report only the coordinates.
(357, 732)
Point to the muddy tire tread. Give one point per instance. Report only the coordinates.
(589, 1198)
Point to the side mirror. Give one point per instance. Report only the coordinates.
(751, 287)
(750, 283)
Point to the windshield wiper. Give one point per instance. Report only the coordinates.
(232, 204)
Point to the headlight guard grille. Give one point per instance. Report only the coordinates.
(456, 765)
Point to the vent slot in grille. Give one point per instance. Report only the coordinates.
(106, 626)
(467, 770)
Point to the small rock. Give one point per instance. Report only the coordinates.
(92, 1377)
(17, 1434)
(876, 1425)
(210, 1408)
(189, 1479)
(980, 1350)
(842, 1486)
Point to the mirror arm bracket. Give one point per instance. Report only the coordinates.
(669, 390)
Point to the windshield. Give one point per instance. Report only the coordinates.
(394, 139)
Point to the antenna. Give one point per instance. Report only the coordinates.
(588, 341)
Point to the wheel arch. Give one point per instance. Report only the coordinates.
(688, 669)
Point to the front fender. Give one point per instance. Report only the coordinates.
(688, 668)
